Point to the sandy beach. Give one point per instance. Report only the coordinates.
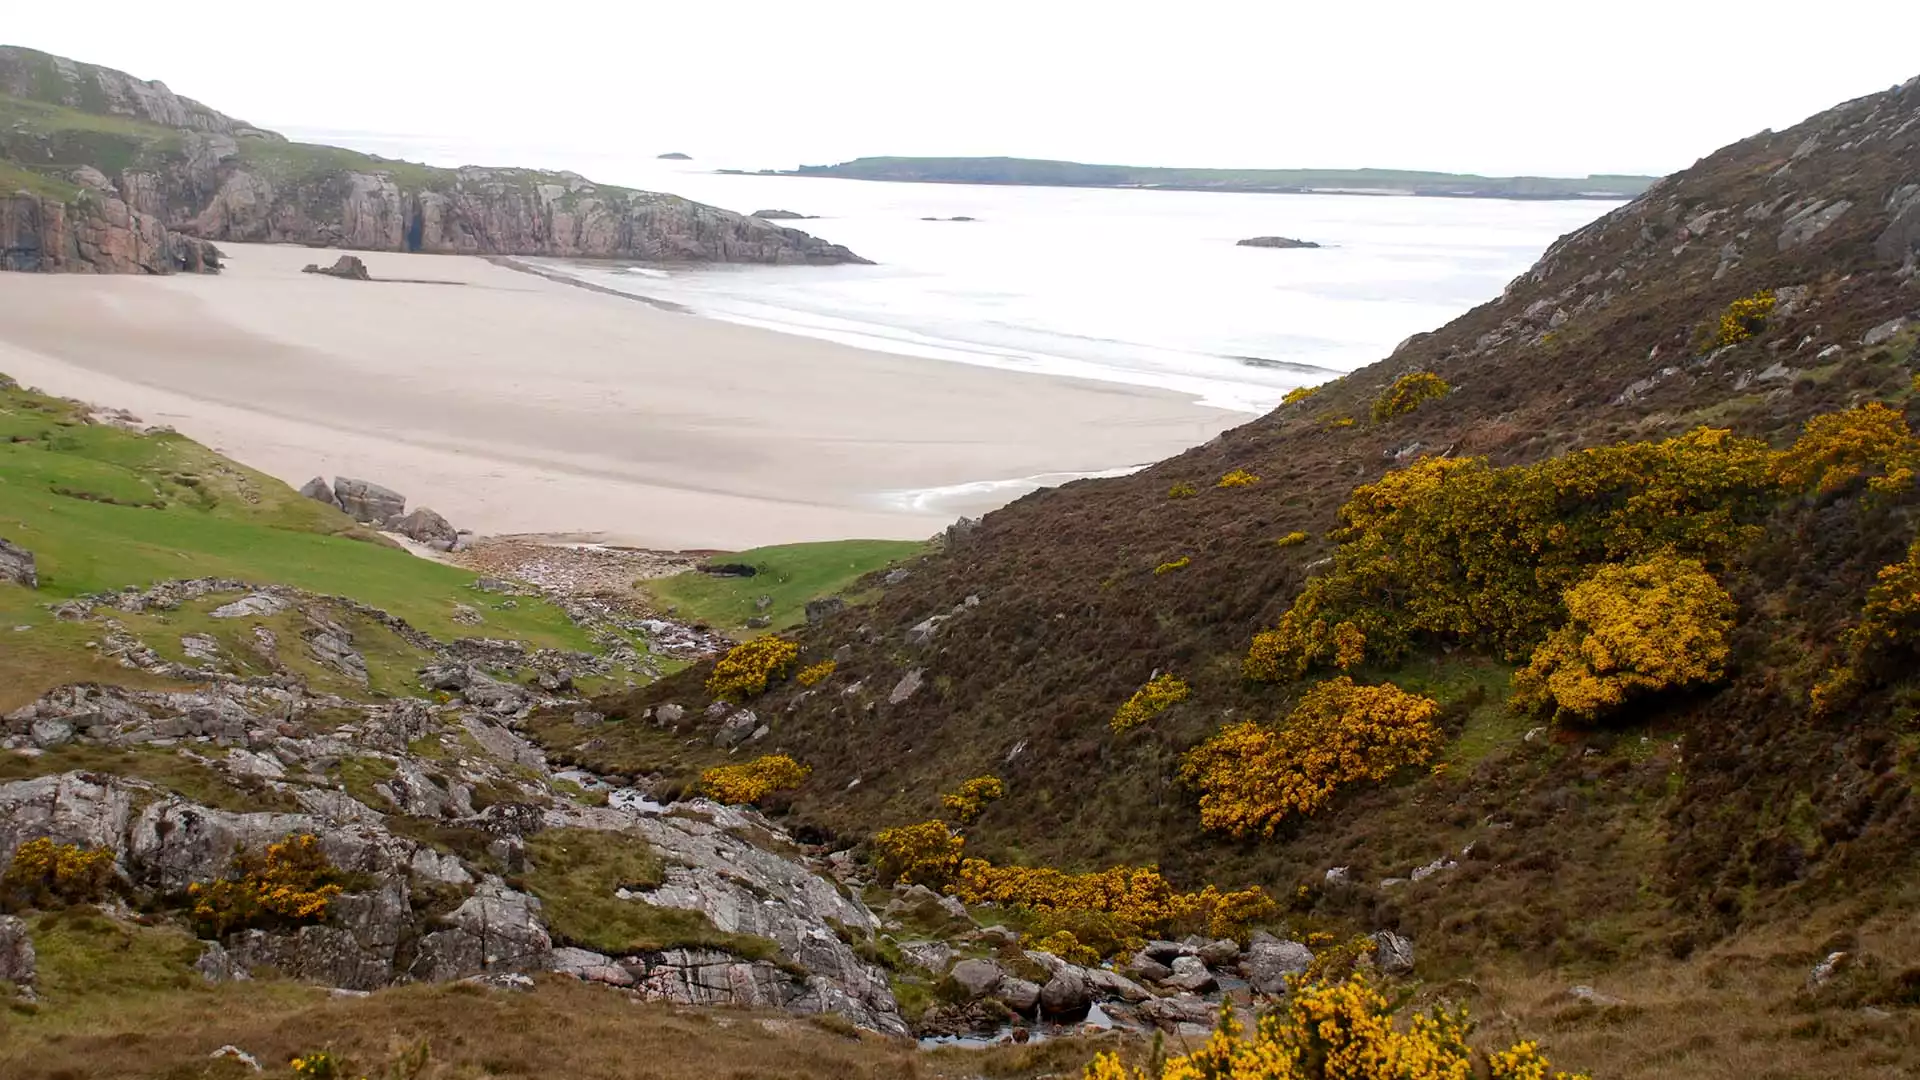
(514, 404)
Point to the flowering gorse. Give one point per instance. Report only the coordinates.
(1237, 478)
(1252, 777)
(1743, 319)
(43, 873)
(924, 854)
(1139, 898)
(754, 780)
(293, 882)
(1409, 392)
(970, 800)
(749, 666)
(1161, 693)
(1835, 449)
(815, 674)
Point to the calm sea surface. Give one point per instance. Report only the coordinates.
(1137, 287)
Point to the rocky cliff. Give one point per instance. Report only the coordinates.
(117, 174)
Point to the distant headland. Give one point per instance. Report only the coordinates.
(1030, 172)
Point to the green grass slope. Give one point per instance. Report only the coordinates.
(103, 508)
(787, 576)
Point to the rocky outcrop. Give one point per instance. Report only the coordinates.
(367, 502)
(183, 171)
(17, 959)
(1275, 242)
(95, 233)
(782, 215)
(319, 490)
(17, 566)
(348, 267)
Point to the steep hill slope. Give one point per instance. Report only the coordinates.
(103, 171)
(1743, 824)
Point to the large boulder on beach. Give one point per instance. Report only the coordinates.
(367, 502)
(319, 490)
(426, 527)
(346, 266)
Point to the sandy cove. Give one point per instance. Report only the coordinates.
(515, 404)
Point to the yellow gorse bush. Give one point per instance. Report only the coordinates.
(1182, 490)
(1885, 639)
(749, 666)
(1180, 563)
(1835, 449)
(754, 780)
(1139, 897)
(1456, 550)
(1340, 1031)
(1409, 392)
(1744, 318)
(1237, 478)
(1064, 945)
(1292, 539)
(970, 800)
(924, 854)
(1252, 777)
(1161, 693)
(1631, 630)
(43, 873)
(291, 883)
(1298, 393)
(815, 674)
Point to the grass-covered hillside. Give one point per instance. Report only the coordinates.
(1621, 568)
(762, 589)
(103, 507)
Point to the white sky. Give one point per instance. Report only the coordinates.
(1492, 87)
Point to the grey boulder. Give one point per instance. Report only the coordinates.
(17, 567)
(16, 953)
(367, 502)
(319, 490)
(977, 977)
(1268, 963)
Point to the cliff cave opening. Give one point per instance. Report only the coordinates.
(416, 226)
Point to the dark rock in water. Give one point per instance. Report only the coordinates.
(1276, 242)
(367, 503)
(957, 218)
(318, 490)
(782, 215)
(675, 156)
(16, 566)
(346, 266)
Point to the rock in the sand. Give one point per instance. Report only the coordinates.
(426, 527)
(366, 502)
(346, 266)
(1276, 242)
(17, 567)
(319, 490)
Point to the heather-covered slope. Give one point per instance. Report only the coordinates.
(87, 149)
(1737, 824)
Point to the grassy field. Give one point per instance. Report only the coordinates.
(102, 508)
(789, 575)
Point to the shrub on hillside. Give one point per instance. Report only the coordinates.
(1292, 539)
(1835, 449)
(1743, 319)
(1118, 903)
(1456, 550)
(924, 854)
(44, 874)
(1252, 777)
(1063, 944)
(970, 800)
(1409, 392)
(1161, 693)
(1631, 630)
(754, 780)
(291, 883)
(1886, 639)
(1237, 478)
(1340, 1031)
(815, 674)
(1180, 563)
(749, 666)
(1182, 490)
(1298, 394)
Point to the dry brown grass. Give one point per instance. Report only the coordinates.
(561, 1029)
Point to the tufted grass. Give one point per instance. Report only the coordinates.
(789, 574)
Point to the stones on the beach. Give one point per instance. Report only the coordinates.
(426, 527)
(346, 266)
(319, 490)
(17, 566)
(367, 502)
(1275, 242)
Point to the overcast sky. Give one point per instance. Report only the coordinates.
(1490, 87)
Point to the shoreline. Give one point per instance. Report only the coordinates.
(522, 405)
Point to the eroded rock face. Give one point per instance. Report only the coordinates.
(347, 267)
(100, 234)
(17, 566)
(367, 502)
